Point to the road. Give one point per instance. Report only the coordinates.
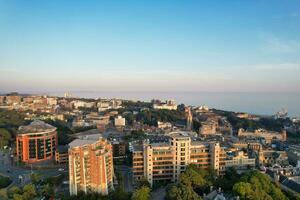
(126, 173)
(15, 172)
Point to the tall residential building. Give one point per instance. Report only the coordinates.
(36, 142)
(90, 165)
(165, 161)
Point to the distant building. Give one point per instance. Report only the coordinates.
(120, 121)
(268, 136)
(90, 165)
(202, 109)
(106, 104)
(270, 157)
(77, 104)
(52, 101)
(68, 95)
(164, 125)
(239, 161)
(13, 100)
(247, 116)
(2, 99)
(28, 99)
(208, 128)
(168, 105)
(36, 142)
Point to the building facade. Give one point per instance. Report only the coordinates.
(36, 142)
(90, 165)
(268, 136)
(166, 161)
(240, 161)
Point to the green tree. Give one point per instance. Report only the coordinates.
(119, 194)
(4, 181)
(142, 193)
(181, 192)
(192, 178)
(47, 190)
(18, 197)
(13, 190)
(5, 137)
(35, 178)
(243, 190)
(29, 192)
(255, 185)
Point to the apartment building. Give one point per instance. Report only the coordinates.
(165, 161)
(208, 128)
(13, 99)
(90, 165)
(239, 160)
(36, 142)
(268, 136)
(168, 105)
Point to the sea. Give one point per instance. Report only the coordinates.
(254, 103)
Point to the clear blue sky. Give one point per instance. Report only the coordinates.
(152, 45)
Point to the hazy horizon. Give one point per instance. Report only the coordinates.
(260, 103)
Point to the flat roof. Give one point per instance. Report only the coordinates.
(36, 127)
(85, 140)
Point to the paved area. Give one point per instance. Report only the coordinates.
(127, 177)
(21, 176)
(158, 194)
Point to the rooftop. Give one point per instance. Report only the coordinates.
(36, 127)
(85, 140)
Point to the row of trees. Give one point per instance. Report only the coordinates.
(196, 182)
(142, 193)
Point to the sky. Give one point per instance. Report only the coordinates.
(218, 46)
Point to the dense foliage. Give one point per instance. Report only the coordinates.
(182, 192)
(268, 123)
(10, 120)
(4, 181)
(28, 192)
(255, 185)
(193, 182)
(142, 193)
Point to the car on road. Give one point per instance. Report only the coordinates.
(61, 169)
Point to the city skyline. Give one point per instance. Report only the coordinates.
(150, 46)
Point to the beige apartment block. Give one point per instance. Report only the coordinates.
(165, 161)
